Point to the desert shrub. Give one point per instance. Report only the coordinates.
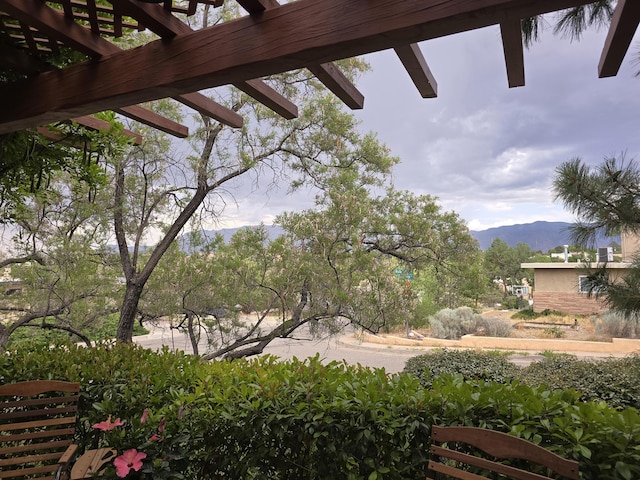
(553, 332)
(615, 380)
(525, 314)
(495, 327)
(452, 324)
(617, 325)
(472, 365)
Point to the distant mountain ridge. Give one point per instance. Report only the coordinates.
(540, 235)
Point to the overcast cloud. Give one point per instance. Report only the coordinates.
(486, 151)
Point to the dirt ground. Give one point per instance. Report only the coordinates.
(568, 327)
(552, 326)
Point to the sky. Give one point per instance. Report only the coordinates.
(486, 151)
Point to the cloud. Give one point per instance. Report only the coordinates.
(490, 152)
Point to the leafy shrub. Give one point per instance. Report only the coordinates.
(615, 381)
(302, 419)
(617, 325)
(472, 365)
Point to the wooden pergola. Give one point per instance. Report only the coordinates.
(271, 39)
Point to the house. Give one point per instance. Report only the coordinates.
(561, 286)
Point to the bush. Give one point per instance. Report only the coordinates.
(472, 365)
(615, 381)
(452, 324)
(494, 327)
(525, 314)
(302, 419)
(617, 325)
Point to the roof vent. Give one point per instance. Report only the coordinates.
(605, 254)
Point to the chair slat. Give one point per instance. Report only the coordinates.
(512, 472)
(499, 445)
(43, 457)
(9, 427)
(23, 472)
(38, 435)
(37, 424)
(34, 447)
(43, 412)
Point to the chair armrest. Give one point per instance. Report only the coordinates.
(68, 454)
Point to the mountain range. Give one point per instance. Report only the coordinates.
(540, 235)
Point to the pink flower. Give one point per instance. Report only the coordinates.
(145, 415)
(108, 424)
(180, 412)
(155, 438)
(129, 460)
(163, 422)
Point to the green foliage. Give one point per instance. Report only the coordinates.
(473, 365)
(303, 419)
(555, 332)
(525, 314)
(104, 330)
(615, 381)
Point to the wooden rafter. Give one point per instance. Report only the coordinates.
(328, 73)
(288, 37)
(57, 25)
(417, 68)
(623, 27)
(511, 32)
(142, 115)
(164, 24)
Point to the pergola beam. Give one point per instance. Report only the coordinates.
(291, 36)
(164, 24)
(98, 124)
(328, 73)
(56, 25)
(511, 32)
(142, 115)
(417, 68)
(621, 31)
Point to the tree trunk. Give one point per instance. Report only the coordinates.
(192, 334)
(128, 311)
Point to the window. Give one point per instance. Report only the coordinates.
(585, 286)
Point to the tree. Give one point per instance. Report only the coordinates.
(503, 262)
(68, 276)
(59, 244)
(573, 22)
(605, 199)
(332, 266)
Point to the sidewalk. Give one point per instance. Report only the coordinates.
(520, 357)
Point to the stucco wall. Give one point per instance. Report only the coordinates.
(630, 246)
(574, 303)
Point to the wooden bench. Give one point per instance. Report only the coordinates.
(455, 463)
(37, 424)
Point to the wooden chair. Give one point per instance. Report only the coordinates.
(500, 446)
(37, 424)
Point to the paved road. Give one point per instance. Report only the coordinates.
(341, 347)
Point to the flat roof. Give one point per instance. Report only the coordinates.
(572, 265)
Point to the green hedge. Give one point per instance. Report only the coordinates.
(305, 420)
(613, 380)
